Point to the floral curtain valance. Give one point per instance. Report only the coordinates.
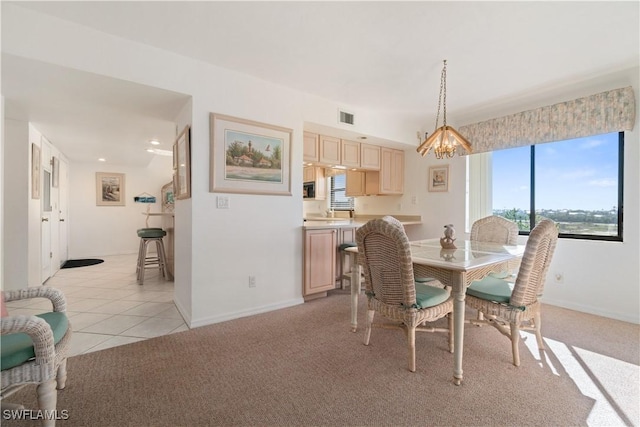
(611, 111)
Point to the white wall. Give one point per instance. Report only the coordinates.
(97, 231)
(16, 199)
(261, 235)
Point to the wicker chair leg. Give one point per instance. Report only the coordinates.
(411, 341)
(536, 319)
(515, 340)
(367, 332)
(61, 377)
(450, 326)
(47, 400)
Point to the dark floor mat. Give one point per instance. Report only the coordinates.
(81, 262)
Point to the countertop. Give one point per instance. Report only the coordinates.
(358, 221)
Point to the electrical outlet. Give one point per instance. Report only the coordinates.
(558, 277)
(400, 207)
(252, 281)
(222, 202)
(414, 200)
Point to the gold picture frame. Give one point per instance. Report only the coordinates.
(182, 164)
(110, 189)
(438, 178)
(249, 157)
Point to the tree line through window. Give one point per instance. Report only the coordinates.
(577, 183)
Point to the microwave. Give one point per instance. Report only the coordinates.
(309, 190)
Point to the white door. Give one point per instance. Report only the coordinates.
(63, 219)
(45, 213)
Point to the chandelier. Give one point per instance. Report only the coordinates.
(444, 140)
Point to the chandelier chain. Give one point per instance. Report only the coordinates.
(443, 89)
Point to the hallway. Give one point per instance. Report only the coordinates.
(106, 306)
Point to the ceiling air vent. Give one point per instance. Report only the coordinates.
(345, 117)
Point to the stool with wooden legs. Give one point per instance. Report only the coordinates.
(148, 235)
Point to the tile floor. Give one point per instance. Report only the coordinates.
(107, 307)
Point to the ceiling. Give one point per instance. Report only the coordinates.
(373, 55)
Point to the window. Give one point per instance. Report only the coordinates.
(339, 200)
(577, 183)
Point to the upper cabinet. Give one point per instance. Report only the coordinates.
(388, 180)
(330, 150)
(350, 151)
(311, 151)
(369, 157)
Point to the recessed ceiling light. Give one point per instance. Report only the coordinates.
(102, 159)
(150, 150)
(154, 142)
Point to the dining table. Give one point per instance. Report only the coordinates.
(456, 268)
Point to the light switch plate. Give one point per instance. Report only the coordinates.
(222, 202)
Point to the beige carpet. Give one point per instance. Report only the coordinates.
(302, 366)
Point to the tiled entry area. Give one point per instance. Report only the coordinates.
(107, 307)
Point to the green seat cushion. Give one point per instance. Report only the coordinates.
(429, 296)
(424, 279)
(15, 349)
(491, 289)
(344, 246)
(151, 233)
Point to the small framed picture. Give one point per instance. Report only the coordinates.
(35, 171)
(110, 189)
(439, 178)
(55, 175)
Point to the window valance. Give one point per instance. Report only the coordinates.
(611, 111)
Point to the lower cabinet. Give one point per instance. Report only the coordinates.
(322, 260)
(319, 262)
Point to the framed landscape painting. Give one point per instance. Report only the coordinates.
(249, 157)
(439, 178)
(110, 189)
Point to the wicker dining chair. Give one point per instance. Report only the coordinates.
(34, 350)
(518, 305)
(385, 256)
(495, 229)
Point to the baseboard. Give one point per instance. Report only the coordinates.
(182, 311)
(238, 314)
(593, 310)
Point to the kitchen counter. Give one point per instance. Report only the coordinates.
(358, 221)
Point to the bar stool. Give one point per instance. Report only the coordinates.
(344, 256)
(148, 235)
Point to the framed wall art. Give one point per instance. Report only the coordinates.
(110, 189)
(439, 178)
(182, 165)
(55, 172)
(36, 165)
(249, 157)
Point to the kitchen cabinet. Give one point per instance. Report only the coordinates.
(369, 157)
(350, 153)
(390, 178)
(319, 262)
(330, 150)
(316, 174)
(310, 150)
(355, 184)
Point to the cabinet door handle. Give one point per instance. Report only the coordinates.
(45, 219)
(61, 219)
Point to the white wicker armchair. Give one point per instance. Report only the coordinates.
(45, 361)
(517, 306)
(385, 256)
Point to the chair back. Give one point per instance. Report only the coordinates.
(535, 264)
(495, 229)
(385, 256)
